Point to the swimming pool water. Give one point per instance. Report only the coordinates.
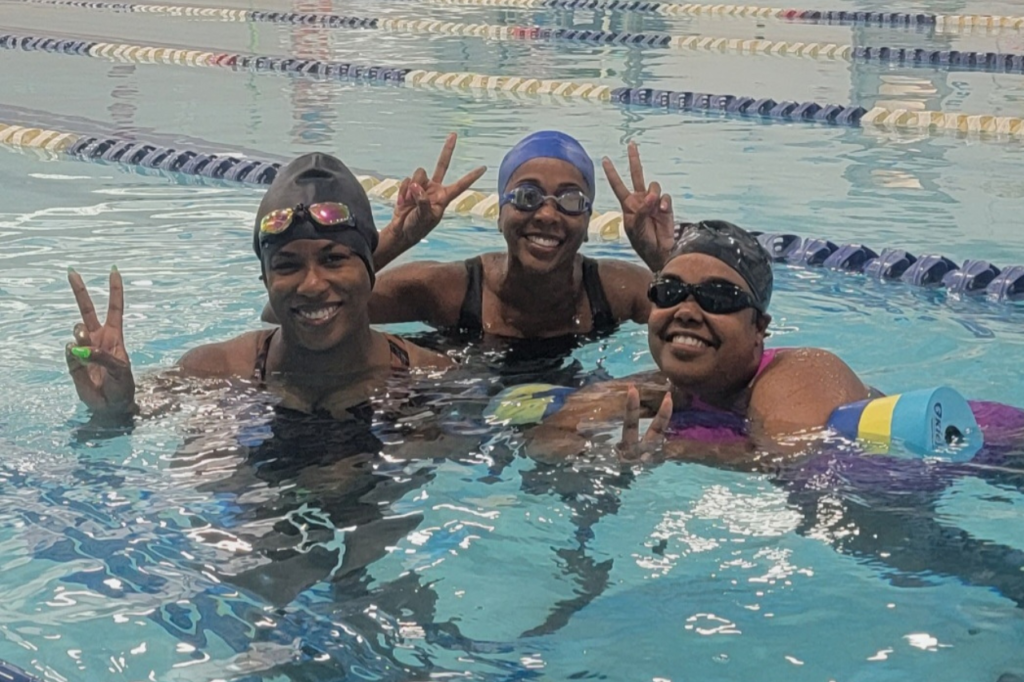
(144, 556)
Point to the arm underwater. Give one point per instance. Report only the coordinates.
(930, 423)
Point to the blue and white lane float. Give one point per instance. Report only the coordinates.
(974, 278)
(858, 18)
(989, 127)
(953, 60)
(916, 20)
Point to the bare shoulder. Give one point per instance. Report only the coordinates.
(232, 358)
(625, 285)
(804, 370)
(800, 389)
(806, 362)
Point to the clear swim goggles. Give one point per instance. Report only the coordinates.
(529, 198)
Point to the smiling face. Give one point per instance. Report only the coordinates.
(545, 239)
(701, 352)
(319, 290)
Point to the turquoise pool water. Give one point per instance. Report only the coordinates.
(149, 556)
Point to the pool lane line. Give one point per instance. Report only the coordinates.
(237, 168)
(995, 62)
(973, 278)
(841, 17)
(764, 109)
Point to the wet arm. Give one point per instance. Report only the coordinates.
(569, 431)
(391, 246)
(625, 285)
(421, 291)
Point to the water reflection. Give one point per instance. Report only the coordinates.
(277, 545)
(312, 101)
(124, 96)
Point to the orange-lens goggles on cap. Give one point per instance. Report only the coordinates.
(324, 214)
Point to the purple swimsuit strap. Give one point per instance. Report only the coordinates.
(708, 424)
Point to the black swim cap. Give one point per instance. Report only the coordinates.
(735, 247)
(311, 179)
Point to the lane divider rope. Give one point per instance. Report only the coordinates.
(238, 168)
(974, 277)
(947, 59)
(842, 17)
(894, 19)
(674, 101)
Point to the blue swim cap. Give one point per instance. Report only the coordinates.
(549, 144)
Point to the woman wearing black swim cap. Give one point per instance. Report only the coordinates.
(315, 237)
(717, 391)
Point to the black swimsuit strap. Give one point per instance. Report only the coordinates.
(601, 316)
(259, 370)
(399, 353)
(471, 315)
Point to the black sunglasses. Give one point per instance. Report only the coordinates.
(717, 298)
(529, 198)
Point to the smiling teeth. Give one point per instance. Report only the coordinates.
(543, 241)
(681, 340)
(318, 314)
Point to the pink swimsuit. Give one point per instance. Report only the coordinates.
(707, 424)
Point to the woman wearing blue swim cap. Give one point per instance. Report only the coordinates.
(718, 393)
(540, 286)
(315, 238)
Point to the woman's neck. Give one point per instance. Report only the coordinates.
(519, 287)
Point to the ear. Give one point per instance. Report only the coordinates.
(269, 316)
(761, 321)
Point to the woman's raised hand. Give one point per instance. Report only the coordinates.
(647, 216)
(635, 447)
(97, 359)
(421, 201)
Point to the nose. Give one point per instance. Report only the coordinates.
(688, 312)
(313, 283)
(547, 212)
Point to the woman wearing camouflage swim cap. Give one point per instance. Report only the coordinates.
(315, 237)
(717, 391)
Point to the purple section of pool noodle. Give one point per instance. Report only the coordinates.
(853, 470)
(1003, 426)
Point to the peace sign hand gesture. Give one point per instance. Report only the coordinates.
(647, 216)
(633, 448)
(421, 202)
(97, 360)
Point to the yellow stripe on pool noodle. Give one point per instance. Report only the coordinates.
(875, 424)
